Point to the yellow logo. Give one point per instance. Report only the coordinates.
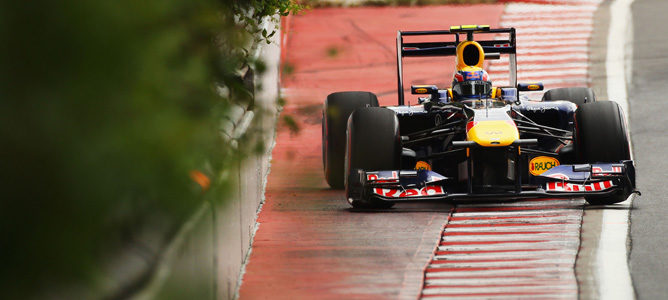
(421, 91)
(534, 87)
(538, 165)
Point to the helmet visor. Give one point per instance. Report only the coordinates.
(473, 88)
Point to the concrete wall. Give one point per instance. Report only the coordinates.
(236, 224)
(206, 259)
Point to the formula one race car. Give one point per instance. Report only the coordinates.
(474, 141)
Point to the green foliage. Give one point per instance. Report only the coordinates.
(252, 13)
(105, 108)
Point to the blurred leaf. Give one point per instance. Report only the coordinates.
(291, 124)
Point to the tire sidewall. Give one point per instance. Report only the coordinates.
(337, 108)
(373, 143)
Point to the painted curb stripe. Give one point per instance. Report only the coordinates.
(524, 249)
(507, 225)
(451, 252)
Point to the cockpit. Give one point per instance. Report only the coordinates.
(484, 103)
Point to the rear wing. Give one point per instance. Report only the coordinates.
(505, 45)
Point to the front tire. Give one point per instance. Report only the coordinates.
(336, 111)
(600, 137)
(373, 144)
(577, 95)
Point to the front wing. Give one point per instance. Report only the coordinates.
(564, 181)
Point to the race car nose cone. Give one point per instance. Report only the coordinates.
(493, 133)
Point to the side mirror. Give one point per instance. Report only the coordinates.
(508, 95)
(424, 90)
(527, 87)
(430, 90)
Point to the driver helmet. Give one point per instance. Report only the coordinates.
(471, 83)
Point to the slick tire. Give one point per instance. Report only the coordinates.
(577, 95)
(600, 137)
(373, 144)
(336, 111)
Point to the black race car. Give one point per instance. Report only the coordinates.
(492, 145)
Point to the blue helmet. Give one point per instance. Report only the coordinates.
(471, 83)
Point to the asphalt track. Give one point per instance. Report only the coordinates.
(648, 107)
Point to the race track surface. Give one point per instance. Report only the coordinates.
(310, 244)
(648, 106)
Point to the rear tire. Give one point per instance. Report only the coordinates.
(600, 137)
(336, 111)
(373, 144)
(577, 95)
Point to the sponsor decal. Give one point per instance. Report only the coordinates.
(421, 91)
(541, 108)
(574, 187)
(598, 171)
(475, 75)
(376, 178)
(534, 87)
(539, 164)
(414, 192)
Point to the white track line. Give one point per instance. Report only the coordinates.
(473, 290)
(532, 50)
(560, 270)
(552, 261)
(538, 8)
(507, 255)
(552, 30)
(548, 82)
(541, 57)
(570, 66)
(492, 297)
(498, 280)
(514, 237)
(522, 204)
(563, 37)
(472, 214)
(551, 44)
(530, 227)
(546, 219)
(538, 74)
(611, 257)
(510, 245)
(556, 22)
(542, 16)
